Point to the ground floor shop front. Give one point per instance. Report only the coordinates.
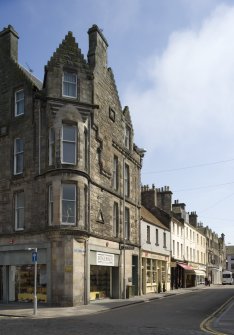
(70, 270)
(113, 270)
(17, 273)
(186, 275)
(155, 273)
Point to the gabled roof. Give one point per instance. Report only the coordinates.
(68, 53)
(150, 218)
(35, 81)
(127, 115)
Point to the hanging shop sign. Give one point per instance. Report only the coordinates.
(126, 247)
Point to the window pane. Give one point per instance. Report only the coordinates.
(71, 77)
(69, 133)
(68, 203)
(68, 212)
(19, 102)
(19, 210)
(69, 192)
(69, 84)
(69, 153)
(19, 163)
(19, 145)
(20, 200)
(20, 218)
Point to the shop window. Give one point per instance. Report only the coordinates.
(69, 144)
(18, 156)
(23, 280)
(68, 204)
(19, 102)
(69, 85)
(148, 267)
(99, 282)
(19, 210)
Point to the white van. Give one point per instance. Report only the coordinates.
(227, 278)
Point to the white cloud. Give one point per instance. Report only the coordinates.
(191, 85)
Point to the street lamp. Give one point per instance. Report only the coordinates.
(34, 260)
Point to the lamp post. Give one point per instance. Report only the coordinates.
(34, 260)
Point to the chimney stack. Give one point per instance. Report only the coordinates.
(193, 219)
(164, 198)
(148, 197)
(9, 43)
(97, 54)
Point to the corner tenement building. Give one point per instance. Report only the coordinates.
(69, 177)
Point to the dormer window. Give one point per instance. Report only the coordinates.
(19, 102)
(127, 138)
(69, 85)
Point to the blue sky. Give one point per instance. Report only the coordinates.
(173, 62)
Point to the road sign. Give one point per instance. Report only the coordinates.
(34, 256)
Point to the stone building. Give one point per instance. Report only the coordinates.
(69, 177)
(215, 254)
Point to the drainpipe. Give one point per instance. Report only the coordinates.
(86, 272)
(39, 140)
(124, 232)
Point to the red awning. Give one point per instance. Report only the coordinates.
(186, 266)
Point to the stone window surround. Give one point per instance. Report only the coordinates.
(73, 200)
(17, 155)
(17, 210)
(18, 101)
(75, 141)
(69, 83)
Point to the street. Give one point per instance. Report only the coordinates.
(174, 315)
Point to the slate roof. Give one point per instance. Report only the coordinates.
(150, 218)
(35, 81)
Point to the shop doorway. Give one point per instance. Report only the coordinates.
(135, 275)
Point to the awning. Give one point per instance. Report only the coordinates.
(186, 266)
(200, 273)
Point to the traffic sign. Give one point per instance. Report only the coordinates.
(34, 256)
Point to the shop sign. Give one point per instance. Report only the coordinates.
(105, 259)
(79, 250)
(126, 247)
(173, 264)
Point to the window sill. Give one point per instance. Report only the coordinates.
(69, 97)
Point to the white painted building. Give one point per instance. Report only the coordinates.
(155, 253)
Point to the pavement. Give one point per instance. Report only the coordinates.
(221, 322)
